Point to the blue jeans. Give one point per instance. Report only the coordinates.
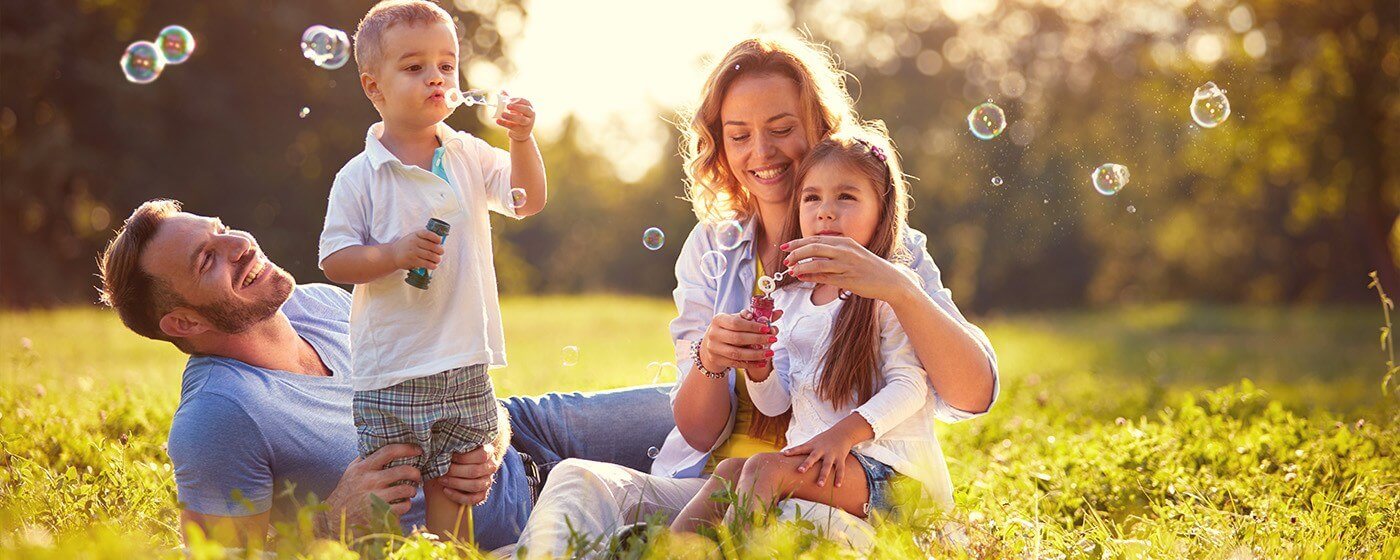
(611, 426)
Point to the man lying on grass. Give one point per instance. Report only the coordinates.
(265, 405)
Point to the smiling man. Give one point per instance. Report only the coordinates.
(265, 402)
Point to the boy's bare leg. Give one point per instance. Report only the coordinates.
(443, 514)
(701, 508)
(770, 477)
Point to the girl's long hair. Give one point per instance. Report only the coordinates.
(852, 362)
(713, 191)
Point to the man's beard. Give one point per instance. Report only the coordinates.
(233, 317)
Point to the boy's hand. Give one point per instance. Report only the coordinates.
(518, 119)
(422, 249)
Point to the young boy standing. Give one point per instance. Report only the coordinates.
(420, 355)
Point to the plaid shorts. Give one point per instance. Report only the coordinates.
(443, 413)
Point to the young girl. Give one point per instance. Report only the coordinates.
(842, 367)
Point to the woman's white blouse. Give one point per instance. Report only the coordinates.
(700, 297)
(901, 411)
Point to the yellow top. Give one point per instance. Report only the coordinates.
(740, 443)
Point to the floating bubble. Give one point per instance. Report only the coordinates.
(142, 63)
(986, 121)
(326, 47)
(996, 181)
(653, 238)
(570, 355)
(1209, 106)
(652, 452)
(713, 264)
(728, 234)
(664, 375)
(176, 43)
(517, 198)
(1110, 178)
(1132, 209)
(304, 112)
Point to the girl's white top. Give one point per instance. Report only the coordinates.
(699, 297)
(900, 411)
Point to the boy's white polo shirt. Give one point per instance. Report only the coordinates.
(399, 332)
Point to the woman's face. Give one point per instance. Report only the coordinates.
(765, 135)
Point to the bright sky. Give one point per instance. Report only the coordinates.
(625, 65)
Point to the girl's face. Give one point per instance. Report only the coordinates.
(764, 135)
(835, 199)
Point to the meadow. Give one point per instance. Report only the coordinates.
(1172, 431)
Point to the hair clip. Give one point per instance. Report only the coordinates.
(874, 150)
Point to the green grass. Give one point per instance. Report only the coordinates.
(1125, 433)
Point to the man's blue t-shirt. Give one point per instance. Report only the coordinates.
(256, 432)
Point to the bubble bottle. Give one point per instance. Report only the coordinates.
(421, 277)
(761, 306)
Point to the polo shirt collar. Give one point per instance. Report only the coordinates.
(379, 155)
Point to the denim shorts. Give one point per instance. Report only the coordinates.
(443, 413)
(879, 478)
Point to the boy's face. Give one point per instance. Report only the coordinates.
(419, 65)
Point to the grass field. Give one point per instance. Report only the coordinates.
(1122, 433)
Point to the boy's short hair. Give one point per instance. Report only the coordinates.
(369, 36)
(139, 298)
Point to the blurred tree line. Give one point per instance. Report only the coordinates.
(1294, 198)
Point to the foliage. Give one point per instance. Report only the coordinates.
(1107, 440)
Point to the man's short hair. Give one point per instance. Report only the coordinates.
(369, 37)
(139, 298)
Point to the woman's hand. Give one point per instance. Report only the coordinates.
(736, 340)
(841, 262)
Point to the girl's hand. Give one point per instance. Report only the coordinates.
(518, 119)
(736, 340)
(841, 262)
(827, 450)
(421, 249)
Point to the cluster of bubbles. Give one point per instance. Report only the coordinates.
(497, 100)
(326, 47)
(653, 238)
(570, 355)
(1209, 106)
(304, 112)
(986, 121)
(144, 61)
(517, 197)
(1110, 178)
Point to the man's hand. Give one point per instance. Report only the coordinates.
(367, 476)
(471, 474)
(421, 249)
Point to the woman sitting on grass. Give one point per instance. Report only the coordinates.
(844, 373)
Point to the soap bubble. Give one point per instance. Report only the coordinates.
(728, 234)
(996, 181)
(517, 198)
(176, 43)
(142, 62)
(1132, 209)
(986, 121)
(653, 238)
(304, 112)
(570, 355)
(1110, 178)
(496, 99)
(1209, 106)
(652, 452)
(713, 264)
(663, 375)
(326, 47)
